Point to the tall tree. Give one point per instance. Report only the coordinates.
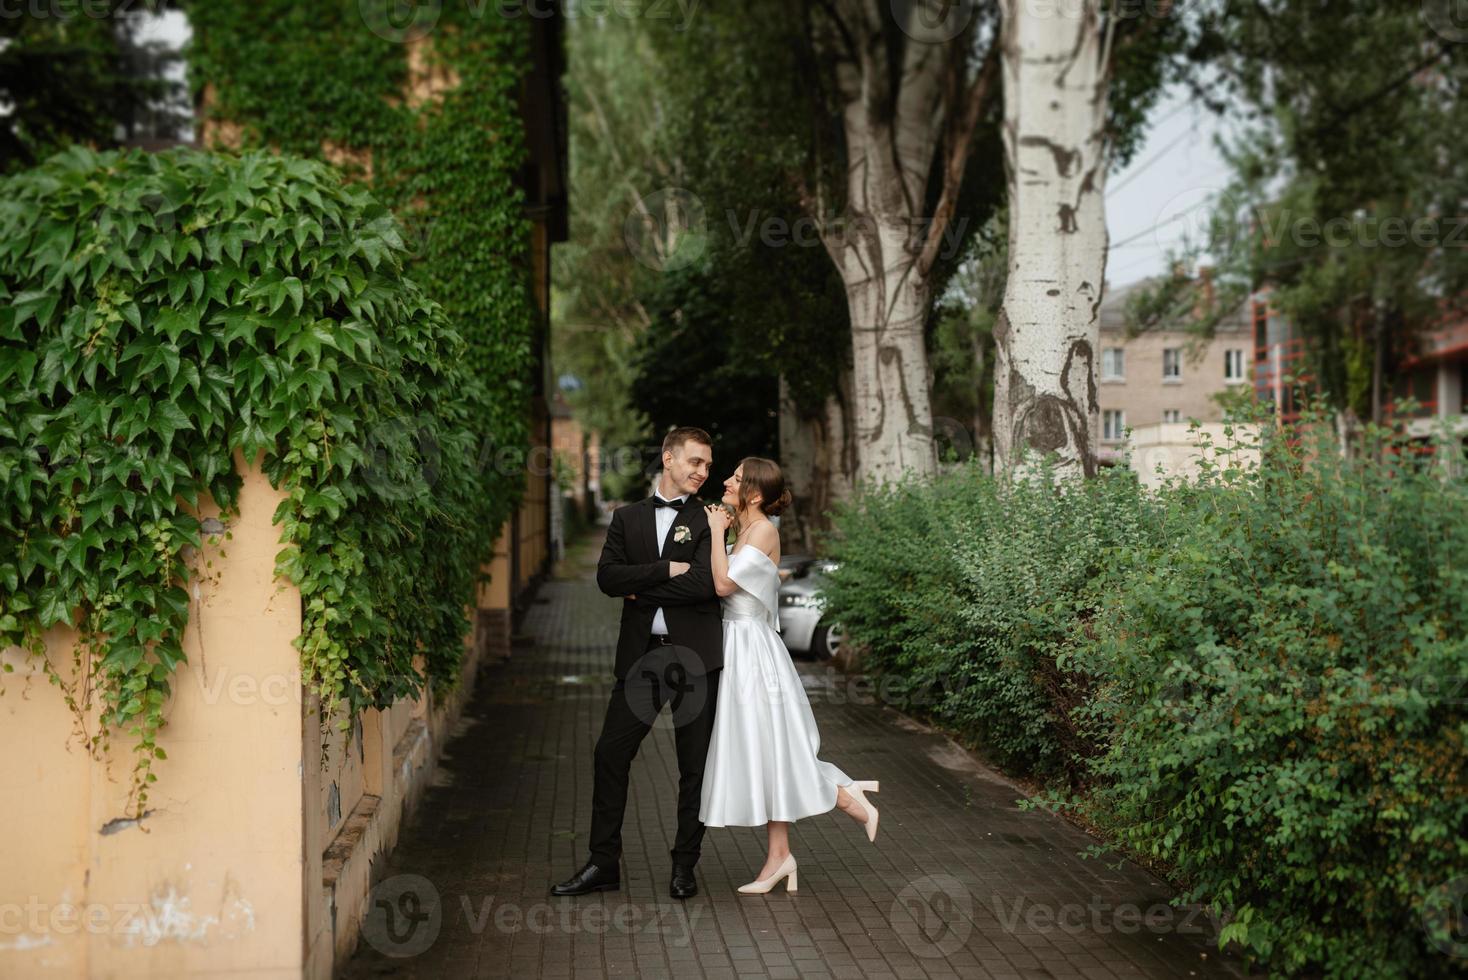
(1056, 68)
(911, 83)
(1063, 63)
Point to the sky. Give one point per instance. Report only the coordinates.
(1163, 194)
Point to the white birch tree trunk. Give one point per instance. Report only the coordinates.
(892, 411)
(877, 249)
(1055, 72)
(903, 94)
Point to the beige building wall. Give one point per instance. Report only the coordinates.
(1142, 394)
(246, 862)
(210, 881)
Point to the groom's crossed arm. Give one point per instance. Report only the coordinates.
(694, 585)
(615, 575)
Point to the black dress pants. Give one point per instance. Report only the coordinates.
(666, 675)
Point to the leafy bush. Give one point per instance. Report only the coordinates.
(964, 590)
(1280, 690)
(1256, 679)
(165, 310)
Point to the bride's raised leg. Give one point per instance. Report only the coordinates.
(857, 807)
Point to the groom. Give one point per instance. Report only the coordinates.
(670, 651)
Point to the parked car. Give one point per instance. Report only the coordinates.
(803, 624)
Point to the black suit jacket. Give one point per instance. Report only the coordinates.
(630, 564)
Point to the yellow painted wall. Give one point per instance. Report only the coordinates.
(214, 884)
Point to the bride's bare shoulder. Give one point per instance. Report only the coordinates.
(764, 537)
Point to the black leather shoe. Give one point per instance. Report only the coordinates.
(683, 885)
(591, 878)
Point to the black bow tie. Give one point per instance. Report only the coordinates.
(660, 502)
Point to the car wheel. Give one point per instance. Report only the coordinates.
(826, 642)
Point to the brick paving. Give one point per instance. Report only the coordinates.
(960, 883)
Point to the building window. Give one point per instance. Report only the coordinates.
(1113, 364)
(1113, 423)
(1170, 415)
(1233, 365)
(1172, 364)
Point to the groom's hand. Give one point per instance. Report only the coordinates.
(677, 568)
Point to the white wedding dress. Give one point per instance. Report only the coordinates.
(762, 763)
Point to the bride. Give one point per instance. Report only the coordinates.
(762, 766)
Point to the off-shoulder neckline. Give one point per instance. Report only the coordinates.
(747, 547)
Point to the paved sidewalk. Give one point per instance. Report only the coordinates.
(958, 884)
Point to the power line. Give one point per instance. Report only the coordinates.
(1141, 167)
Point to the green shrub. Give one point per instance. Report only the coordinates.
(963, 591)
(164, 310)
(1256, 679)
(1280, 690)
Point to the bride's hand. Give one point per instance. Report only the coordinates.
(677, 568)
(718, 518)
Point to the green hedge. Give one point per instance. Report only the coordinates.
(162, 311)
(1280, 696)
(1255, 680)
(963, 592)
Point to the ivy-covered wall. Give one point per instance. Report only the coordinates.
(425, 112)
(373, 339)
(159, 312)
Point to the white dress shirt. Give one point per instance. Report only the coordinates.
(665, 517)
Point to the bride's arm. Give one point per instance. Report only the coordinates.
(718, 558)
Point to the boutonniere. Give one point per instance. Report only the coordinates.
(681, 534)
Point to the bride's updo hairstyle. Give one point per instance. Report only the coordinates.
(763, 476)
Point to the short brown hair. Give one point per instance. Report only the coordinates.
(763, 475)
(674, 440)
